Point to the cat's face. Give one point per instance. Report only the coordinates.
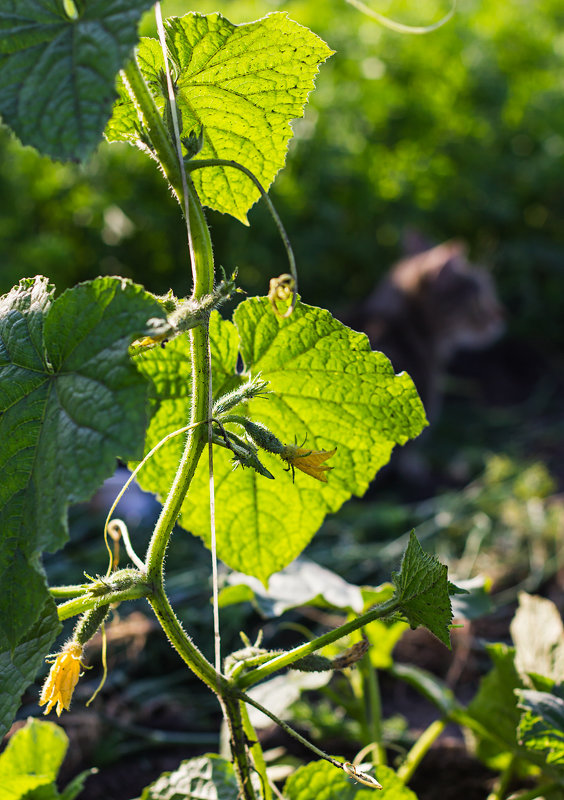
(462, 304)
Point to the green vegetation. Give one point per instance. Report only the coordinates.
(252, 425)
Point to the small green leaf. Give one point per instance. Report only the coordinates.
(474, 601)
(71, 402)
(58, 70)
(327, 388)
(210, 777)
(239, 84)
(75, 787)
(37, 749)
(422, 587)
(541, 727)
(383, 637)
(322, 781)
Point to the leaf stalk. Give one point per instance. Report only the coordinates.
(289, 657)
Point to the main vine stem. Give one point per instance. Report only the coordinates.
(203, 276)
(229, 692)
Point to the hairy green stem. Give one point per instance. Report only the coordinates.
(285, 659)
(203, 285)
(156, 129)
(69, 591)
(256, 752)
(168, 159)
(420, 748)
(371, 691)
(233, 713)
(184, 646)
(86, 602)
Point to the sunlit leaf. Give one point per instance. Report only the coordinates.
(239, 84)
(328, 389)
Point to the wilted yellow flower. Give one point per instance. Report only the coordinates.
(308, 461)
(149, 341)
(63, 677)
(281, 288)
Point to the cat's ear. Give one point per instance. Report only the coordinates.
(456, 247)
(446, 259)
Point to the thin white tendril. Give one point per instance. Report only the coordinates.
(104, 667)
(398, 26)
(172, 101)
(174, 115)
(117, 529)
(134, 557)
(213, 541)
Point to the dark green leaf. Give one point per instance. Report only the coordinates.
(474, 601)
(496, 744)
(428, 685)
(542, 725)
(209, 777)
(57, 75)
(71, 402)
(19, 666)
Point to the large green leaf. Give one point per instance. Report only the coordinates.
(58, 70)
(302, 583)
(327, 388)
(496, 700)
(241, 84)
(19, 665)
(321, 780)
(71, 401)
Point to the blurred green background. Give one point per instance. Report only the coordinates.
(456, 133)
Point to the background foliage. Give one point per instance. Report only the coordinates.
(457, 134)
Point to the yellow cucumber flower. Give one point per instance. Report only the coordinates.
(63, 677)
(308, 461)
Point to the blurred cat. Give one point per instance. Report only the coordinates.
(429, 306)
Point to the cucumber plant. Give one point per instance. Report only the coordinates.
(295, 411)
